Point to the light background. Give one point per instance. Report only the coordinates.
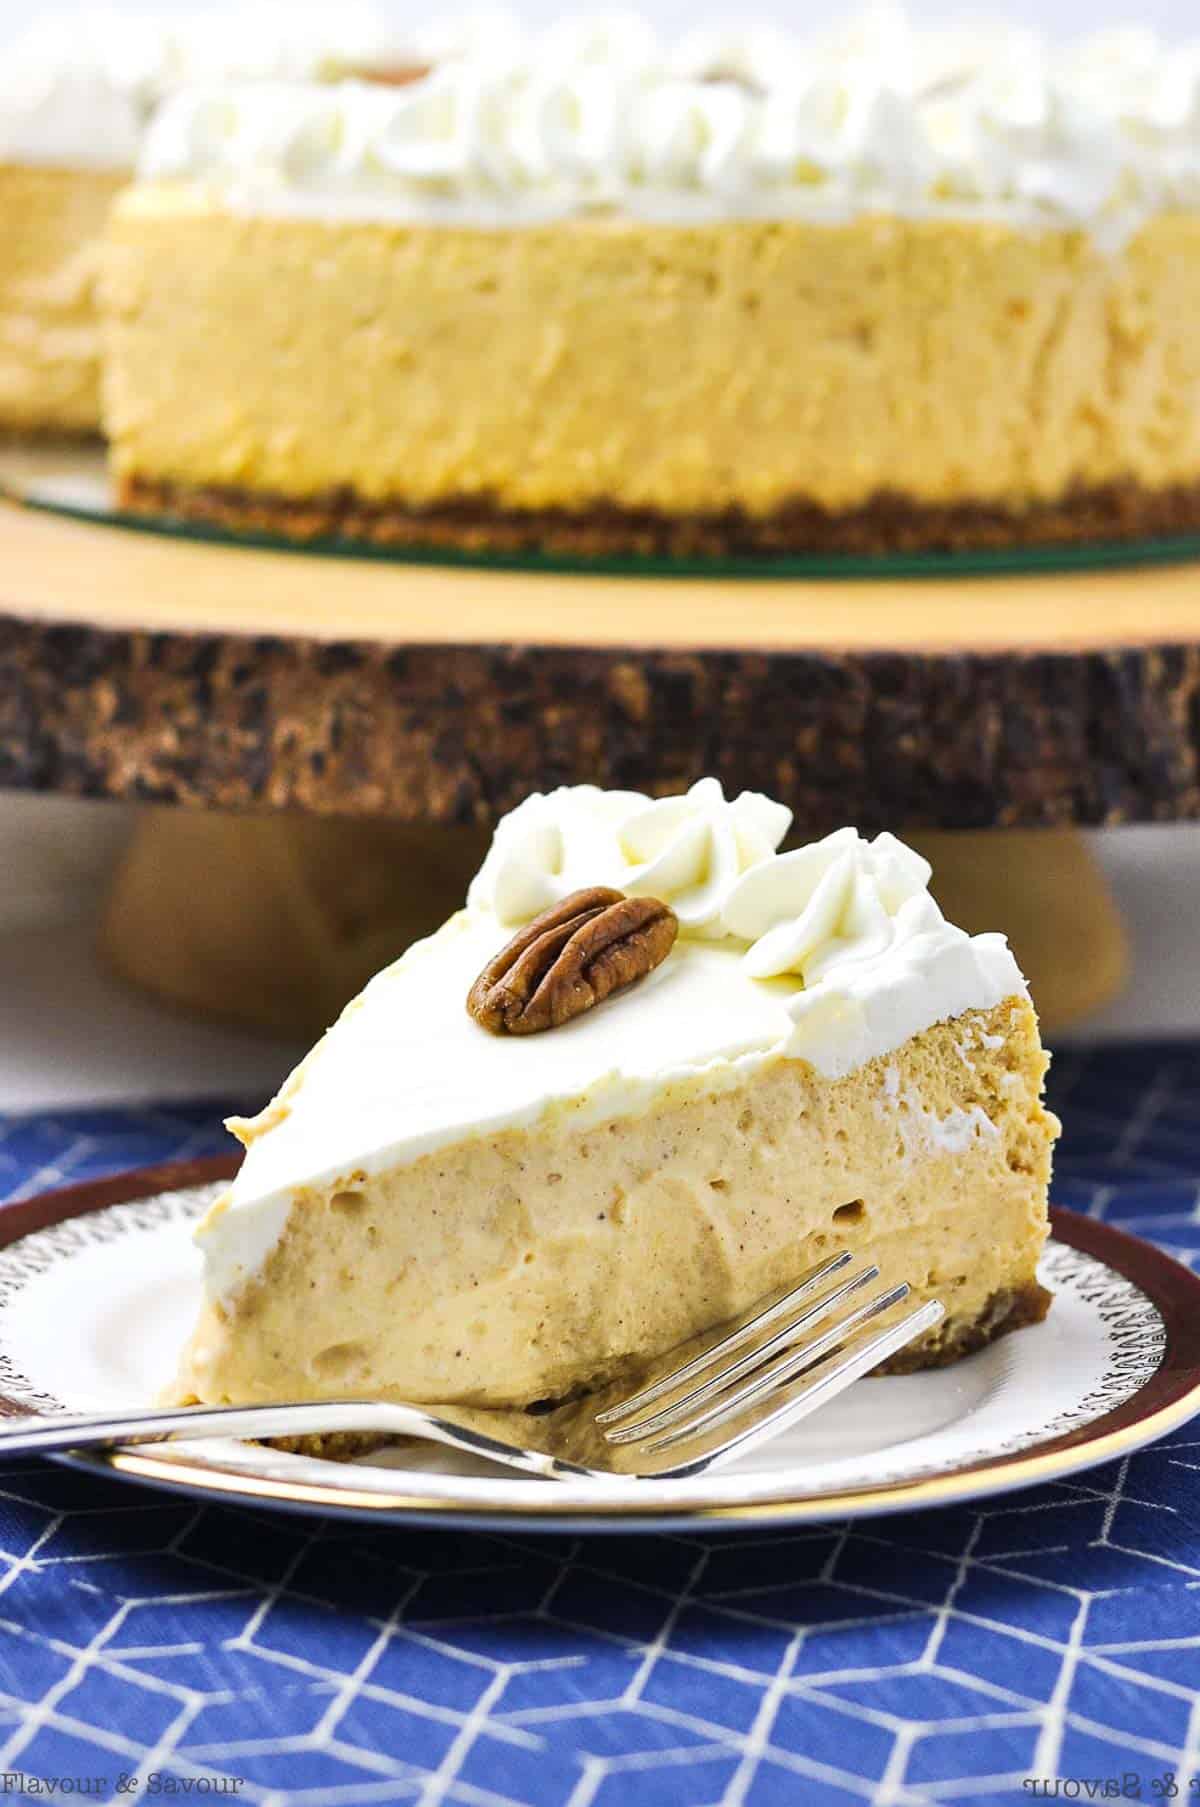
(71, 1035)
(1175, 18)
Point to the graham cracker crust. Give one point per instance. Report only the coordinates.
(890, 523)
(1012, 1308)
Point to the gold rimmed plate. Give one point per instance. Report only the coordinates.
(1115, 1365)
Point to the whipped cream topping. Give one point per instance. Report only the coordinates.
(688, 850)
(598, 116)
(65, 111)
(834, 954)
(81, 87)
(828, 906)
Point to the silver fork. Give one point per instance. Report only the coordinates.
(712, 1398)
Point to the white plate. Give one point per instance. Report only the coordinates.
(95, 1304)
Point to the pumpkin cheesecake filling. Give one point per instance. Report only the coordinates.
(436, 1208)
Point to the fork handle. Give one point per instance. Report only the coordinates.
(36, 1436)
(166, 1424)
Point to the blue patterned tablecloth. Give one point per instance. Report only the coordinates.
(1043, 1646)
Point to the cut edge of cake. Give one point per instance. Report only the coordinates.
(529, 1266)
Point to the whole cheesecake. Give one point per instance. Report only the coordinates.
(77, 91)
(520, 1163)
(739, 295)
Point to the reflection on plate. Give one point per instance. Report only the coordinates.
(1116, 1363)
(72, 482)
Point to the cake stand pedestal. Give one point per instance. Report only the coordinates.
(140, 665)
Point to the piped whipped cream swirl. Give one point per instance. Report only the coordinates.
(834, 904)
(689, 850)
(80, 87)
(597, 115)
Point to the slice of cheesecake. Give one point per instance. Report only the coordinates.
(441, 1206)
(77, 93)
(69, 136)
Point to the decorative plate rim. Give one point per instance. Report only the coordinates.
(1162, 1402)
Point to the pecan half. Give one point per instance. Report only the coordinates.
(570, 958)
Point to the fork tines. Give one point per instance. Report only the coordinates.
(775, 1364)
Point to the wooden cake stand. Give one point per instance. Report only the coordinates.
(139, 665)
